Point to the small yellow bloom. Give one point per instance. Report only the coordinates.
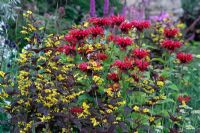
(29, 12)
(136, 108)
(2, 74)
(109, 111)
(23, 32)
(151, 119)
(86, 24)
(160, 83)
(145, 110)
(94, 121)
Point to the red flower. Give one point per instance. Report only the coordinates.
(125, 27)
(79, 34)
(140, 53)
(170, 32)
(76, 110)
(126, 64)
(95, 31)
(70, 39)
(170, 44)
(184, 57)
(112, 37)
(100, 21)
(66, 49)
(113, 76)
(141, 25)
(142, 65)
(101, 56)
(117, 20)
(184, 99)
(83, 66)
(123, 42)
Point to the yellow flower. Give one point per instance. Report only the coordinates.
(160, 83)
(162, 97)
(145, 82)
(109, 92)
(60, 77)
(86, 24)
(98, 45)
(23, 32)
(105, 121)
(29, 12)
(44, 118)
(109, 111)
(2, 74)
(145, 110)
(94, 121)
(136, 108)
(152, 91)
(151, 119)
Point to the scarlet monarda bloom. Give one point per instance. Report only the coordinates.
(101, 56)
(125, 27)
(113, 76)
(117, 20)
(184, 57)
(95, 31)
(141, 64)
(66, 49)
(83, 66)
(70, 39)
(170, 32)
(126, 64)
(170, 44)
(123, 42)
(79, 34)
(76, 110)
(140, 53)
(184, 99)
(100, 21)
(141, 25)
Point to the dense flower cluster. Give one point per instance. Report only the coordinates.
(141, 25)
(123, 42)
(93, 79)
(184, 57)
(140, 53)
(100, 21)
(126, 26)
(170, 32)
(171, 45)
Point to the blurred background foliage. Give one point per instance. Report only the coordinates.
(191, 18)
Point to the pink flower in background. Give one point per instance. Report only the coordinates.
(92, 8)
(160, 17)
(106, 8)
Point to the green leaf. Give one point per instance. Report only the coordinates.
(173, 87)
(158, 59)
(198, 56)
(167, 100)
